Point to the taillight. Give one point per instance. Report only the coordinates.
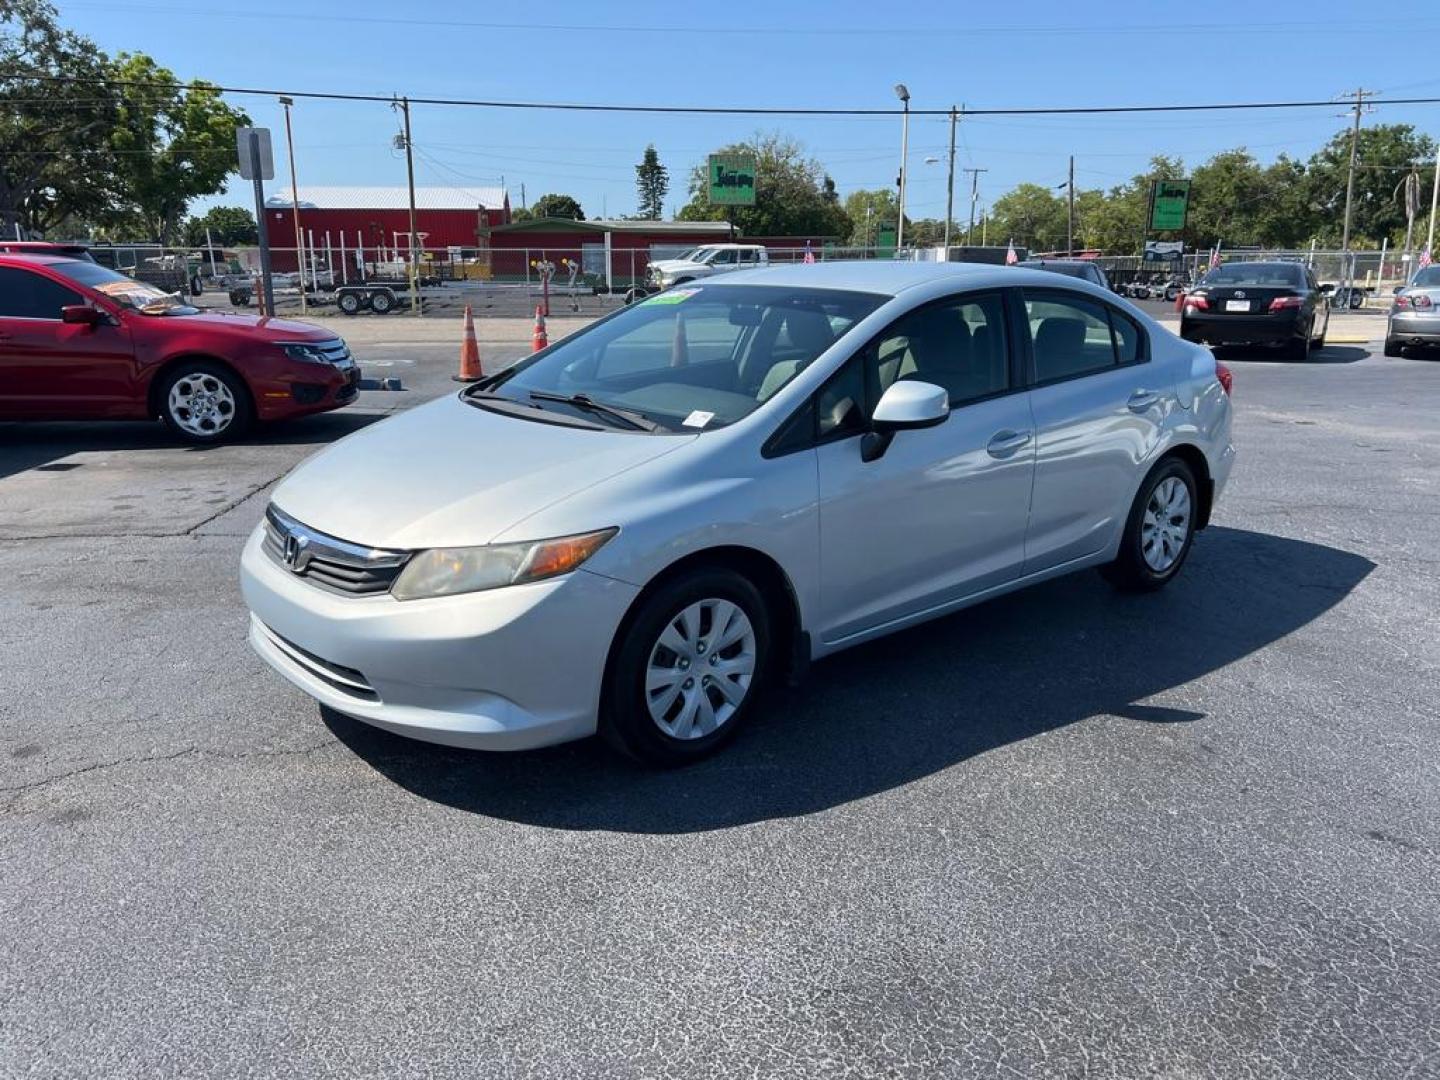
(1197, 302)
(1402, 301)
(1226, 378)
(1422, 301)
(1280, 303)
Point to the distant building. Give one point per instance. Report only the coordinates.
(633, 244)
(377, 220)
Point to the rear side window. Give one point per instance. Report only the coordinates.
(27, 295)
(1073, 335)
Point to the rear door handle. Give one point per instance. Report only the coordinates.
(1141, 400)
(1004, 444)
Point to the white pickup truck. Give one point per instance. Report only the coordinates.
(705, 261)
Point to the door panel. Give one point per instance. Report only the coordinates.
(938, 518)
(51, 369)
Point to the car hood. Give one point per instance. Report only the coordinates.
(251, 326)
(448, 474)
(669, 265)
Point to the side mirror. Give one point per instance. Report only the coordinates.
(1398, 290)
(1327, 288)
(903, 406)
(81, 315)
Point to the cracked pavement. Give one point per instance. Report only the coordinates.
(1064, 834)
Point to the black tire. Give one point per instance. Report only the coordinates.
(1298, 348)
(1393, 347)
(348, 302)
(381, 302)
(233, 416)
(625, 718)
(197, 286)
(1130, 572)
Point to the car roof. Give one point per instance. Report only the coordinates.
(885, 277)
(34, 258)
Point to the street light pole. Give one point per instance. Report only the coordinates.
(904, 95)
(413, 275)
(1434, 198)
(950, 186)
(295, 202)
(1070, 215)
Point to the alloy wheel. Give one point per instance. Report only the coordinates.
(1165, 525)
(201, 404)
(701, 669)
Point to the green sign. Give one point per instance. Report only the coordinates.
(732, 179)
(1169, 204)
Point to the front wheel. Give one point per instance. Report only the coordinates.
(382, 301)
(348, 302)
(1159, 530)
(205, 403)
(688, 670)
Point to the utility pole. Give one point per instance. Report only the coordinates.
(974, 194)
(410, 176)
(950, 186)
(904, 95)
(295, 202)
(1359, 108)
(1070, 217)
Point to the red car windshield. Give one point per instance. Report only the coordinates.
(137, 295)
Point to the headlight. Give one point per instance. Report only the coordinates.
(447, 571)
(300, 350)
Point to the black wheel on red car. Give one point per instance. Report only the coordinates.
(204, 402)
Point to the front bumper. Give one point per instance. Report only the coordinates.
(507, 669)
(1223, 329)
(1412, 328)
(303, 388)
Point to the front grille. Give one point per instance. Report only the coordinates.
(327, 562)
(335, 350)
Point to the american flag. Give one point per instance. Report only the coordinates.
(1214, 256)
(1010, 257)
(809, 255)
(1424, 260)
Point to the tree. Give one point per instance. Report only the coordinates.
(1031, 216)
(171, 144)
(793, 195)
(54, 163)
(1383, 154)
(229, 226)
(557, 206)
(868, 210)
(652, 184)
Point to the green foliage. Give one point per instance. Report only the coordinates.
(793, 195)
(652, 184)
(868, 210)
(115, 157)
(229, 226)
(557, 206)
(53, 160)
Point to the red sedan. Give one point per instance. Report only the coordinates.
(81, 342)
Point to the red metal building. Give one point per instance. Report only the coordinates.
(377, 220)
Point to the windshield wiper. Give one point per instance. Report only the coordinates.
(637, 420)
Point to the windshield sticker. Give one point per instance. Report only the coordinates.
(674, 296)
(698, 419)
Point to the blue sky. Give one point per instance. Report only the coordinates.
(794, 52)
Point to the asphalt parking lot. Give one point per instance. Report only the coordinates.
(1064, 834)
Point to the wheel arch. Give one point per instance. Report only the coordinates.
(153, 404)
(792, 653)
(1195, 458)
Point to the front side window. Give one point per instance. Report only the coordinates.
(956, 344)
(1072, 335)
(25, 294)
(696, 357)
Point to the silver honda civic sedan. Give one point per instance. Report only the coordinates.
(633, 530)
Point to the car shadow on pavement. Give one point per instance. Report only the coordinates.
(885, 714)
(1330, 354)
(25, 446)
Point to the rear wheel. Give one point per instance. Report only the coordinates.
(1393, 347)
(349, 303)
(1159, 530)
(689, 668)
(1297, 348)
(382, 301)
(203, 402)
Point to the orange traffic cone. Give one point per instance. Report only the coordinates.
(469, 352)
(539, 340)
(1180, 300)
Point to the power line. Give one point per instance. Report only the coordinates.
(720, 110)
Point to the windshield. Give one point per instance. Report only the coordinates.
(1283, 275)
(1427, 278)
(702, 255)
(137, 295)
(688, 359)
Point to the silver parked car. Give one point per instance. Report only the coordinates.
(1415, 313)
(632, 530)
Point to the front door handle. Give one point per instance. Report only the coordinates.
(1141, 400)
(1004, 444)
